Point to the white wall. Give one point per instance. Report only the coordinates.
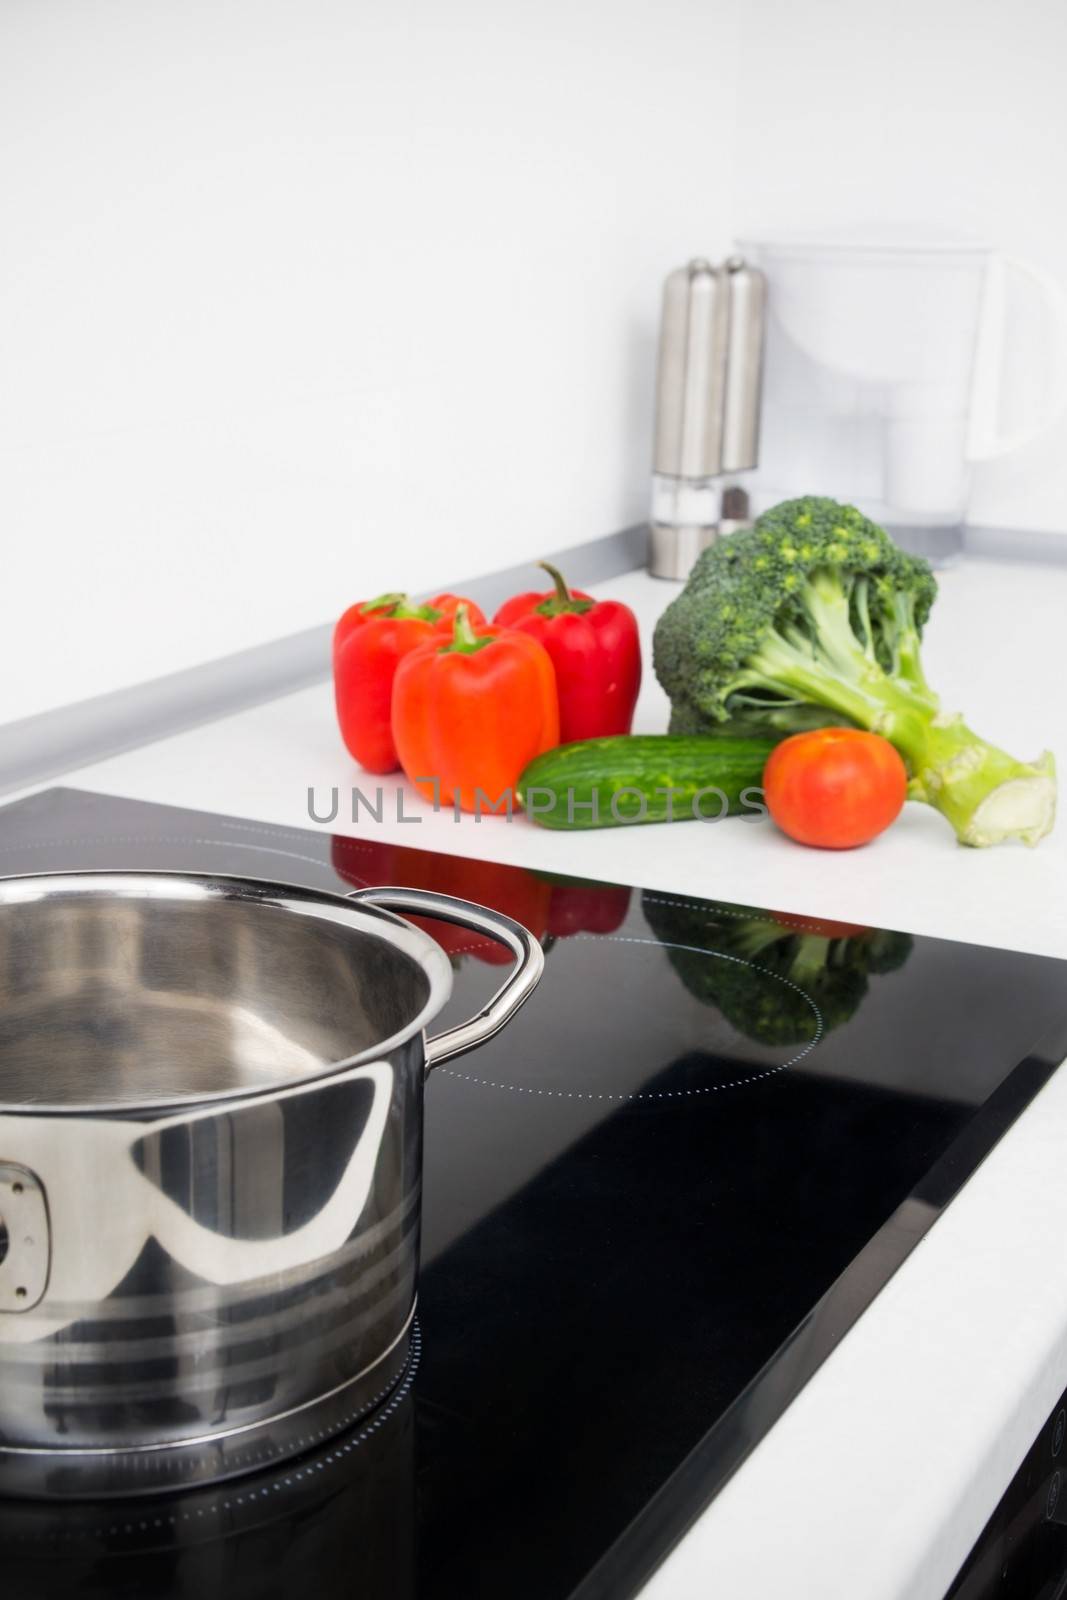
(946, 117)
(305, 299)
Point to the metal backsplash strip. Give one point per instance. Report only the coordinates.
(37, 748)
(1014, 544)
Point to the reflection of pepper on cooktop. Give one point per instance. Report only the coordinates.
(627, 1276)
(772, 984)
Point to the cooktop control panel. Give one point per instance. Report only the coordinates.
(1022, 1551)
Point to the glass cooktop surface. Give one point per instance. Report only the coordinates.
(651, 1207)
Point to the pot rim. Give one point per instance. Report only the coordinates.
(324, 904)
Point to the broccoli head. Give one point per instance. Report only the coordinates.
(820, 964)
(814, 613)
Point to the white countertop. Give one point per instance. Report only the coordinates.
(993, 649)
(879, 1477)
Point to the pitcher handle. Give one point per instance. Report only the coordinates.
(517, 988)
(986, 440)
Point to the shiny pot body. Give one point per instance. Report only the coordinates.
(210, 1158)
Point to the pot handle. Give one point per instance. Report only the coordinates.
(520, 984)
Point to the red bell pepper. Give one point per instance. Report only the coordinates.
(369, 641)
(595, 649)
(513, 890)
(470, 712)
(443, 607)
(446, 605)
(587, 908)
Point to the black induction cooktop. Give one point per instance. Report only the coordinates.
(651, 1208)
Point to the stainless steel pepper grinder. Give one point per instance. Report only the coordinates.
(707, 407)
(747, 316)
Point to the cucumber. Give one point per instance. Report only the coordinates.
(608, 783)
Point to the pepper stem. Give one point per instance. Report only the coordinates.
(397, 605)
(562, 600)
(464, 640)
(563, 594)
(405, 610)
(384, 602)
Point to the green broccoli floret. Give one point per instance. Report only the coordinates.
(777, 969)
(816, 606)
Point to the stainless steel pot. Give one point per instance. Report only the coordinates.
(210, 1162)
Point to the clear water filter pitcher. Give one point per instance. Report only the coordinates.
(884, 376)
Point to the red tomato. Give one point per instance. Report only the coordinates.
(835, 787)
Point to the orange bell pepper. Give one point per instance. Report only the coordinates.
(470, 713)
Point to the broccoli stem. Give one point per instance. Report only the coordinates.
(907, 656)
(755, 935)
(812, 956)
(986, 794)
(839, 676)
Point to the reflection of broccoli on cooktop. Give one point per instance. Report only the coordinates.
(828, 961)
